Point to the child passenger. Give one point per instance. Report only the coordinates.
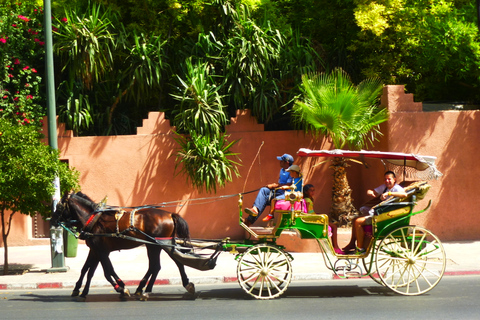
(297, 181)
(308, 194)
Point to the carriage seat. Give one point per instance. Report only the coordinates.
(398, 207)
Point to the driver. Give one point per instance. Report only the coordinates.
(387, 190)
(268, 192)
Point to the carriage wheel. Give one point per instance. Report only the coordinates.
(264, 271)
(410, 260)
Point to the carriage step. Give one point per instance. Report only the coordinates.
(262, 230)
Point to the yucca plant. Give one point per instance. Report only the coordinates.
(144, 66)
(76, 112)
(86, 43)
(206, 160)
(349, 114)
(201, 108)
(204, 155)
(251, 64)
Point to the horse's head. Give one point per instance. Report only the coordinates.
(61, 213)
(73, 210)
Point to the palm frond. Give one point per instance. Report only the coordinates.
(333, 105)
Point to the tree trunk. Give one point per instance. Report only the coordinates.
(342, 208)
(5, 257)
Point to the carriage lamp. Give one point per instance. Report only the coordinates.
(293, 196)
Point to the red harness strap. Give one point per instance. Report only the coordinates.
(90, 219)
(164, 238)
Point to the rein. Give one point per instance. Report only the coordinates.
(174, 203)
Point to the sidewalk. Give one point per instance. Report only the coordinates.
(462, 258)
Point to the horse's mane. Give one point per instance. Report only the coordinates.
(86, 200)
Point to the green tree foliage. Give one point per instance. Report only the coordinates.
(110, 75)
(201, 64)
(27, 171)
(431, 46)
(252, 63)
(329, 25)
(257, 66)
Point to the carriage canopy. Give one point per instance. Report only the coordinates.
(413, 165)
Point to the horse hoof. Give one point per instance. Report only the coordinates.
(190, 287)
(145, 296)
(75, 293)
(126, 292)
(138, 295)
(81, 299)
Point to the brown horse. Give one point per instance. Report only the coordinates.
(114, 228)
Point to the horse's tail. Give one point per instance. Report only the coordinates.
(181, 229)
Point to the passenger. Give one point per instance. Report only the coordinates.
(268, 192)
(308, 194)
(297, 181)
(387, 190)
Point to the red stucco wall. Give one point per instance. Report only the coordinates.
(139, 169)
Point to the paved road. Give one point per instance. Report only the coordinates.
(455, 297)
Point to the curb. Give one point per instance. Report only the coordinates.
(177, 281)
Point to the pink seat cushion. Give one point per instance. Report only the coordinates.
(285, 205)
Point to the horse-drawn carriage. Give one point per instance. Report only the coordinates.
(408, 259)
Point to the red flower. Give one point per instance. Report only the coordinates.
(16, 61)
(23, 18)
(10, 75)
(26, 68)
(5, 97)
(15, 99)
(41, 43)
(34, 70)
(64, 19)
(2, 40)
(29, 97)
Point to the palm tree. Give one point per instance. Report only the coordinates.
(349, 114)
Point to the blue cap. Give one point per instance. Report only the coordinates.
(286, 157)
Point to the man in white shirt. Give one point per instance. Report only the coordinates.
(389, 189)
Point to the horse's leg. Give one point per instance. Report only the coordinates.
(108, 272)
(91, 271)
(190, 287)
(117, 278)
(85, 268)
(90, 266)
(153, 253)
(182, 231)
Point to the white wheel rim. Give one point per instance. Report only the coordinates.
(410, 260)
(264, 271)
